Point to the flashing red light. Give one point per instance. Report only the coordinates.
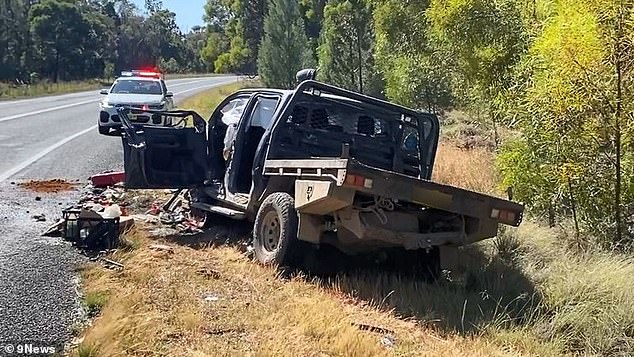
(149, 74)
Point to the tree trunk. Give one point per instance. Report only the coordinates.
(360, 58)
(56, 67)
(573, 206)
(617, 131)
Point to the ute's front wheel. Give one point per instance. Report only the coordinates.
(275, 230)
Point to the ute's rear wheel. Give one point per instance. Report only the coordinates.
(275, 230)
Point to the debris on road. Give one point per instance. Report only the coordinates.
(209, 273)
(55, 230)
(48, 186)
(388, 341)
(109, 263)
(102, 214)
(39, 217)
(162, 247)
(107, 179)
(371, 328)
(211, 298)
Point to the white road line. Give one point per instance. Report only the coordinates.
(204, 87)
(41, 111)
(14, 170)
(52, 98)
(22, 115)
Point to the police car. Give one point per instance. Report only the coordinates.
(135, 89)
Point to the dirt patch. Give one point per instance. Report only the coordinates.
(48, 186)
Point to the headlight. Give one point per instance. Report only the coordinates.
(106, 104)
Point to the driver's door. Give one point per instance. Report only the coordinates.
(165, 157)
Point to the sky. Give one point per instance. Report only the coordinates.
(189, 13)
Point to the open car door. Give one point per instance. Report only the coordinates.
(157, 157)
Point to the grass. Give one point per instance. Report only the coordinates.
(465, 168)
(205, 102)
(523, 293)
(213, 300)
(12, 91)
(95, 301)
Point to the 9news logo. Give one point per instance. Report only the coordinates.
(10, 349)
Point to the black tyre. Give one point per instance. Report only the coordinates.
(275, 231)
(104, 130)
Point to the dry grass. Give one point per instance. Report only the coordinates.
(466, 168)
(214, 301)
(205, 102)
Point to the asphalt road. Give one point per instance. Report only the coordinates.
(46, 138)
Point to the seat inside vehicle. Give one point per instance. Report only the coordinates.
(259, 121)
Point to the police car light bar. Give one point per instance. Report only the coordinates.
(140, 73)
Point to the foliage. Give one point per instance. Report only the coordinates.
(235, 30)
(284, 49)
(414, 72)
(345, 53)
(572, 108)
(73, 39)
(482, 40)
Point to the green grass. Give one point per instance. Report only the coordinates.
(205, 102)
(95, 301)
(12, 91)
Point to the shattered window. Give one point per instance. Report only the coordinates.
(263, 112)
(232, 111)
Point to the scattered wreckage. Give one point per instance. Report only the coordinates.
(96, 222)
(313, 167)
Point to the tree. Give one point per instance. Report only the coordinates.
(59, 30)
(574, 106)
(482, 41)
(346, 51)
(284, 49)
(235, 30)
(415, 71)
(313, 13)
(14, 38)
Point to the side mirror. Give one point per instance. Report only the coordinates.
(169, 94)
(103, 91)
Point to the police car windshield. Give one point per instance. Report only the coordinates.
(130, 86)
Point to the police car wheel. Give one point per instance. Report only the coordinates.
(104, 130)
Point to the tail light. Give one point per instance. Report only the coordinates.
(359, 181)
(504, 216)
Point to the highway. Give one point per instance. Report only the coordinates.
(46, 138)
(36, 135)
